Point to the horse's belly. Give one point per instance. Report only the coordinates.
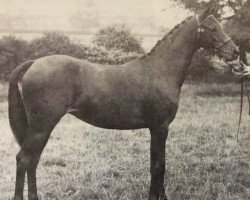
(110, 122)
(110, 118)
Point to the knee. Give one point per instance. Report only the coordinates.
(24, 161)
(158, 168)
(164, 130)
(34, 144)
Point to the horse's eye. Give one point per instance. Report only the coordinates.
(213, 29)
(215, 40)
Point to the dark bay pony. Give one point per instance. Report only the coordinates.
(143, 93)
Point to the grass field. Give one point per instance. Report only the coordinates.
(204, 160)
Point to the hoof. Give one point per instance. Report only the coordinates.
(33, 197)
(155, 198)
(163, 197)
(18, 198)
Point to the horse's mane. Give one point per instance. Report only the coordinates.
(168, 35)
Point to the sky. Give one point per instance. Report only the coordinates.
(160, 12)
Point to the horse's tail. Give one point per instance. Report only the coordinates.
(17, 114)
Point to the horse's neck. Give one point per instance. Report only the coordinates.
(173, 55)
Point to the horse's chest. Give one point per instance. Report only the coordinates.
(159, 111)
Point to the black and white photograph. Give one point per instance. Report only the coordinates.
(125, 99)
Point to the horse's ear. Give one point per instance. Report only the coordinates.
(212, 9)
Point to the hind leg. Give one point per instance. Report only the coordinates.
(39, 129)
(20, 175)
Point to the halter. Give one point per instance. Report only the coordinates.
(201, 30)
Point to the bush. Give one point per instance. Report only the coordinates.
(13, 51)
(51, 43)
(101, 55)
(58, 43)
(118, 37)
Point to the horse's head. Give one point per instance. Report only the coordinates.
(212, 37)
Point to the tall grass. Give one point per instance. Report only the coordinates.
(203, 162)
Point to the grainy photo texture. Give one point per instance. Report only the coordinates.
(124, 100)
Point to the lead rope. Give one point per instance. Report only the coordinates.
(248, 97)
(241, 106)
(242, 83)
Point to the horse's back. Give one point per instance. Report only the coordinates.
(46, 68)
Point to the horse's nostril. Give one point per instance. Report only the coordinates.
(236, 52)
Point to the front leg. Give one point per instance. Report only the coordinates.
(157, 163)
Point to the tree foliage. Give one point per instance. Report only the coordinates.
(14, 51)
(239, 28)
(224, 6)
(51, 43)
(118, 37)
(237, 25)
